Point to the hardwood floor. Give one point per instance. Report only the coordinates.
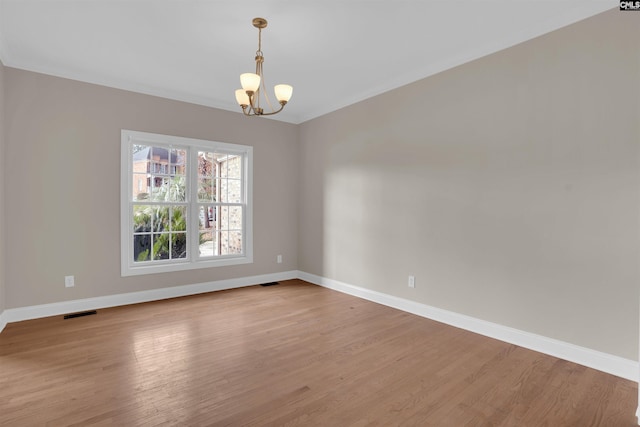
(294, 354)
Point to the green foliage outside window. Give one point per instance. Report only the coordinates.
(160, 230)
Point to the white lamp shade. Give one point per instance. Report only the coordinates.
(283, 92)
(250, 81)
(242, 97)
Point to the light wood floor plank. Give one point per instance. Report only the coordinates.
(294, 354)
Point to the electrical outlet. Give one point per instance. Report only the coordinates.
(69, 282)
(412, 282)
(279, 259)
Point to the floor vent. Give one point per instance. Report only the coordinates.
(269, 284)
(82, 313)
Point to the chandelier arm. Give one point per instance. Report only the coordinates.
(266, 97)
(250, 111)
(251, 100)
(255, 104)
(274, 112)
(259, 61)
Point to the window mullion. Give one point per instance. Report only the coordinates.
(194, 208)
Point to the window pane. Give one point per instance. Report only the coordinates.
(231, 226)
(208, 244)
(231, 242)
(177, 189)
(178, 245)
(235, 217)
(158, 184)
(224, 218)
(140, 164)
(223, 191)
(177, 162)
(141, 218)
(224, 242)
(233, 193)
(231, 218)
(207, 169)
(160, 218)
(141, 247)
(208, 230)
(206, 190)
(206, 164)
(179, 218)
(160, 246)
(221, 163)
(168, 189)
(140, 187)
(235, 242)
(159, 173)
(207, 217)
(233, 165)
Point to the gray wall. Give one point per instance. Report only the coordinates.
(2, 183)
(508, 186)
(62, 193)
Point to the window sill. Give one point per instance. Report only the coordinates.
(183, 266)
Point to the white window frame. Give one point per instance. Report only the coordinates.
(130, 138)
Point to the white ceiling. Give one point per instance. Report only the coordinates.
(334, 53)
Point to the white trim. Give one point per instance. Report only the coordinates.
(55, 309)
(638, 414)
(604, 362)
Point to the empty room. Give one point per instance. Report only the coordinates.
(337, 213)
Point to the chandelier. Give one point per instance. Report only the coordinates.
(253, 84)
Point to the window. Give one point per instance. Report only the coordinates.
(185, 203)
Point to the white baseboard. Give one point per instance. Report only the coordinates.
(604, 362)
(55, 309)
(608, 363)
